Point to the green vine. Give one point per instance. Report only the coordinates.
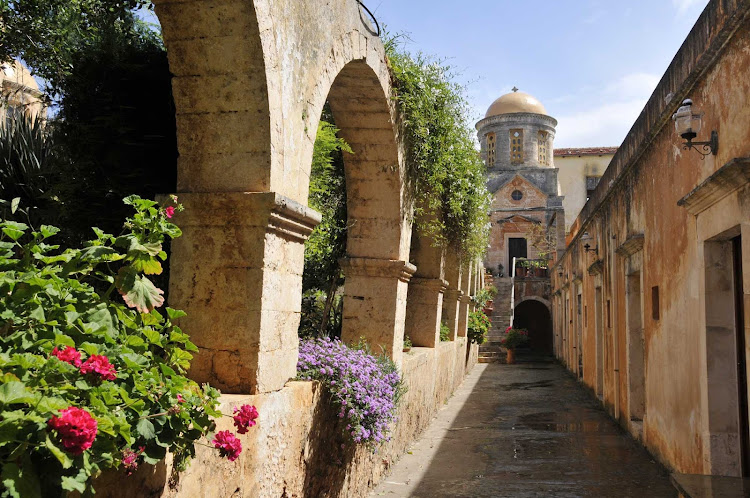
(445, 173)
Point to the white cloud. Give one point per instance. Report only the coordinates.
(605, 125)
(684, 5)
(603, 118)
(632, 85)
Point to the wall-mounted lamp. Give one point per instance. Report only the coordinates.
(688, 123)
(586, 237)
(560, 272)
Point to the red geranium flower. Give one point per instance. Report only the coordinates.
(99, 364)
(244, 418)
(68, 355)
(76, 428)
(228, 445)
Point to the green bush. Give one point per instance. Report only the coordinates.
(82, 345)
(479, 324)
(445, 333)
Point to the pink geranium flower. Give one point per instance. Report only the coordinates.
(228, 445)
(76, 428)
(99, 364)
(244, 418)
(68, 355)
(169, 211)
(130, 459)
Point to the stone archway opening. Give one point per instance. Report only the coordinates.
(375, 264)
(535, 317)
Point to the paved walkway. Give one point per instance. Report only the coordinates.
(525, 430)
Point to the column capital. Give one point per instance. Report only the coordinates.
(271, 210)
(372, 267)
(433, 284)
(466, 299)
(454, 294)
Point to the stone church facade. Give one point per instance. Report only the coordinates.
(517, 144)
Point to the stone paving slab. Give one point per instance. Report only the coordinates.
(525, 430)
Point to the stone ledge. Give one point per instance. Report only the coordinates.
(596, 267)
(706, 486)
(632, 245)
(731, 177)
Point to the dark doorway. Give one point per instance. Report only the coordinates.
(516, 249)
(535, 317)
(739, 295)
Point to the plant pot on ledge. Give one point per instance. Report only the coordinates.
(510, 357)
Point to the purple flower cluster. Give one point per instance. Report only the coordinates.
(364, 388)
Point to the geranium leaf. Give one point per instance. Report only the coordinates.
(15, 392)
(145, 428)
(138, 291)
(61, 456)
(147, 264)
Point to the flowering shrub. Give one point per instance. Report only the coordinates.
(365, 389)
(479, 324)
(514, 338)
(92, 375)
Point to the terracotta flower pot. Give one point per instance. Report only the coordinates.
(510, 356)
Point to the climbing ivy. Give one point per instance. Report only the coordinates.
(445, 173)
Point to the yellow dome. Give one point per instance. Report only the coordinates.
(515, 102)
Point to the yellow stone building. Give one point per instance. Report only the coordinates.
(19, 92)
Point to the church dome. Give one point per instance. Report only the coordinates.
(515, 102)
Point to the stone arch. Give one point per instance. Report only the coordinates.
(221, 95)
(251, 78)
(379, 229)
(534, 298)
(534, 314)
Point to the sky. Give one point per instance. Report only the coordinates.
(592, 63)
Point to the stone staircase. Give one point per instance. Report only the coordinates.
(491, 351)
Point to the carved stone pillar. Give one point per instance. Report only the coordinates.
(237, 272)
(375, 294)
(424, 310)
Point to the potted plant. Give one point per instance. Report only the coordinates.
(407, 344)
(513, 339)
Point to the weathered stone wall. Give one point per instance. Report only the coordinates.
(297, 448)
(651, 328)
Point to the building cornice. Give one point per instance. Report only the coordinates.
(517, 118)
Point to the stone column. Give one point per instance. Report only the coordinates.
(451, 304)
(375, 293)
(237, 273)
(423, 311)
(452, 297)
(464, 301)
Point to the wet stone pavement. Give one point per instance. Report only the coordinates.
(525, 430)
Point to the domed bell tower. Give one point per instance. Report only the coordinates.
(517, 140)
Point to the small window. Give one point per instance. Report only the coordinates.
(543, 139)
(655, 302)
(491, 148)
(517, 195)
(609, 314)
(516, 146)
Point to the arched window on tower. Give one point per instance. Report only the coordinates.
(491, 149)
(543, 138)
(516, 146)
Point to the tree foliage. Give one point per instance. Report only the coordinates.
(445, 172)
(48, 34)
